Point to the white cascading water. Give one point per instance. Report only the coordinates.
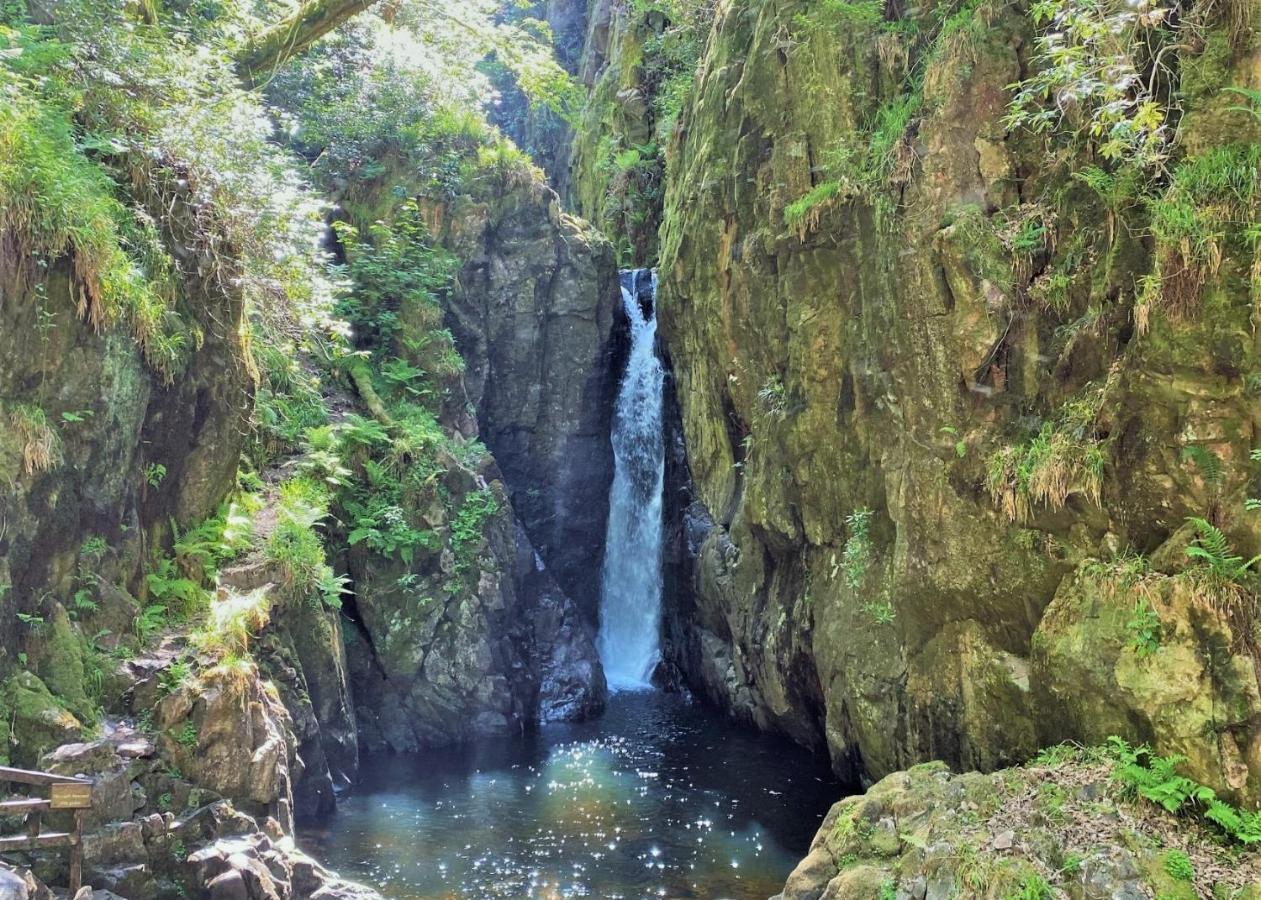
(630, 595)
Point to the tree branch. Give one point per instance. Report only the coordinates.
(268, 50)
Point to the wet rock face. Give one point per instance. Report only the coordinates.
(841, 571)
(571, 683)
(533, 318)
(466, 643)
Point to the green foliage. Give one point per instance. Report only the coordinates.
(174, 591)
(187, 735)
(888, 891)
(1178, 866)
(1155, 778)
(289, 402)
(1207, 192)
(1144, 628)
(1033, 887)
(774, 398)
(150, 621)
(155, 474)
(1064, 457)
(112, 127)
(881, 611)
(294, 545)
(222, 537)
(468, 528)
(1253, 98)
(37, 447)
(173, 677)
(398, 274)
(60, 204)
(1094, 51)
(377, 518)
(802, 215)
(1213, 550)
(1210, 466)
(857, 555)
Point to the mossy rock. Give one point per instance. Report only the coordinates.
(35, 720)
(1094, 680)
(61, 665)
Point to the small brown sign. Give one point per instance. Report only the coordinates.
(71, 796)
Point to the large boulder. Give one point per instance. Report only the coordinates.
(227, 731)
(1165, 659)
(34, 721)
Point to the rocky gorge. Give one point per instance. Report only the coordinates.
(308, 416)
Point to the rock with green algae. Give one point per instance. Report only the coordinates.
(1060, 829)
(1162, 657)
(880, 350)
(60, 664)
(34, 720)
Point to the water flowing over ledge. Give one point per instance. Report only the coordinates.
(630, 601)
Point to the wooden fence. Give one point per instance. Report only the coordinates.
(64, 792)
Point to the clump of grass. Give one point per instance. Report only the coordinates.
(58, 204)
(1210, 197)
(232, 622)
(41, 447)
(294, 545)
(1064, 458)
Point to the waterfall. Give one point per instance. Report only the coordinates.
(630, 594)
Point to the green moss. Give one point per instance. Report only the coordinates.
(62, 667)
(37, 721)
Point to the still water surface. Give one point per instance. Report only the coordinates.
(657, 798)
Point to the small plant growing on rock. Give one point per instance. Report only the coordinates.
(1213, 549)
(1033, 887)
(41, 447)
(1145, 629)
(187, 736)
(774, 398)
(155, 474)
(858, 547)
(469, 526)
(1064, 458)
(1178, 866)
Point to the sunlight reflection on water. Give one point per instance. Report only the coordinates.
(658, 798)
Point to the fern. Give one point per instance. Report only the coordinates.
(1214, 550)
(1207, 462)
(1155, 778)
(1252, 96)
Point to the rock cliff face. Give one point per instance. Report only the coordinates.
(944, 414)
(865, 390)
(89, 427)
(533, 318)
(474, 637)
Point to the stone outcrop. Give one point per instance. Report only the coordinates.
(202, 808)
(468, 639)
(1062, 828)
(533, 315)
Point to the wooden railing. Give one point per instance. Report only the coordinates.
(64, 792)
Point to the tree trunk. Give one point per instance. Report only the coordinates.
(267, 51)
